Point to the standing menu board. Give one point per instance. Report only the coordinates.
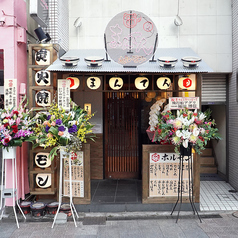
(164, 175)
(77, 167)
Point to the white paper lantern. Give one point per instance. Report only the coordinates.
(74, 82)
(185, 82)
(93, 82)
(115, 83)
(163, 82)
(141, 83)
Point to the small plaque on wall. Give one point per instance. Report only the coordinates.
(10, 93)
(64, 94)
(42, 57)
(43, 98)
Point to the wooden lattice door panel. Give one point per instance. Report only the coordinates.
(121, 136)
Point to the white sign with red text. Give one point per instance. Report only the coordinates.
(183, 102)
(10, 93)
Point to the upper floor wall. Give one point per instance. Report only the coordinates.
(206, 28)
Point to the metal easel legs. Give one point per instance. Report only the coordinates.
(72, 207)
(180, 187)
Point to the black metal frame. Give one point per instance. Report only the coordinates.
(180, 186)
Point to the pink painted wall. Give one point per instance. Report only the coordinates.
(15, 66)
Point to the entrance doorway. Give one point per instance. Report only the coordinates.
(122, 125)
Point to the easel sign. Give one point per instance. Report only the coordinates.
(76, 160)
(10, 93)
(177, 103)
(64, 94)
(164, 174)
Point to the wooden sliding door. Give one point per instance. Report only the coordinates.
(121, 135)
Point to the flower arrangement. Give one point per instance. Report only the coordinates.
(187, 127)
(15, 126)
(60, 129)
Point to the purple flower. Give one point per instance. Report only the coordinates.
(58, 122)
(47, 128)
(61, 128)
(73, 129)
(48, 117)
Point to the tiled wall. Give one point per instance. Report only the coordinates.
(207, 25)
(233, 106)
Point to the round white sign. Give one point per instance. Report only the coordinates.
(141, 83)
(116, 83)
(93, 82)
(42, 160)
(43, 180)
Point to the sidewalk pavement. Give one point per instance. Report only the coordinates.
(126, 225)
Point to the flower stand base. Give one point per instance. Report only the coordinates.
(190, 183)
(10, 154)
(64, 154)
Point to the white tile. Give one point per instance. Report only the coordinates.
(188, 7)
(207, 45)
(224, 46)
(224, 7)
(168, 7)
(76, 8)
(207, 7)
(207, 25)
(210, 59)
(168, 41)
(224, 62)
(224, 25)
(167, 27)
(189, 26)
(191, 42)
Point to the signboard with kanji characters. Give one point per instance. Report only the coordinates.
(10, 93)
(64, 94)
(184, 102)
(77, 173)
(164, 175)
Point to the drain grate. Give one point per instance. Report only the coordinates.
(94, 221)
(227, 197)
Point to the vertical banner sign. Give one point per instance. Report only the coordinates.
(10, 93)
(164, 175)
(77, 167)
(184, 102)
(64, 94)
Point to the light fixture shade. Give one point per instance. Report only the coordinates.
(40, 34)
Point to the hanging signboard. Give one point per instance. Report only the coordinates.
(183, 102)
(164, 175)
(10, 93)
(77, 173)
(64, 94)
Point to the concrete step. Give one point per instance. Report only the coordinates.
(207, 160)
(207, 152)
(208, 169)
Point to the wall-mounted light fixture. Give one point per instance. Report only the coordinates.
(41, 35)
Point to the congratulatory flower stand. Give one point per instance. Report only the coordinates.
(64, 132)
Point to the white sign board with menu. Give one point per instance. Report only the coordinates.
(164, 175)
(183, 102)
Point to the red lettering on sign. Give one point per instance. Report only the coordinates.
(187, 83)
(155, 157)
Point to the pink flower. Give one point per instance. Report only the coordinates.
(53, 123)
